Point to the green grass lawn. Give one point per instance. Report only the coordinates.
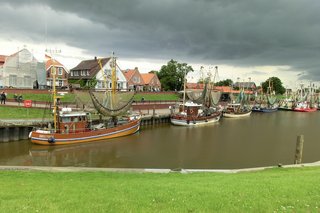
(273, 190)
(156, 97)
(45, 97)
(70, 97)
(23, 113)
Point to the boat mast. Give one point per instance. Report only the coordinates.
(184, 90)
(113, 80)
(54, 94)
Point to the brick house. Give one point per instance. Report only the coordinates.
(151, 82)
(52, 65)
(134, 79)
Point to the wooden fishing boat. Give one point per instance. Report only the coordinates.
(201, 109)
(71, 132)
(236, 111)
(72, 127)
(191, 114)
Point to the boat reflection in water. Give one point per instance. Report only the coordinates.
(261, 139)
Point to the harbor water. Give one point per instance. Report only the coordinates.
(263, 139)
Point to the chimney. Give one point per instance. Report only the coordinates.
(136, 68)
(95, 58)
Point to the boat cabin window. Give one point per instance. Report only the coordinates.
(66, 119)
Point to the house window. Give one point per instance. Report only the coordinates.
(48, 74)
(87, 72)
(59, 71)
(60, 83)
(71, 73)
(136, 79)
(76, 73)
(12, 80)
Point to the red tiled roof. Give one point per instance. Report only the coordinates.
(52, 62)
(147, 77)
(129, 73)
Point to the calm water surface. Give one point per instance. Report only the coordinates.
(259, 140)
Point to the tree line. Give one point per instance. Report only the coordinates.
(172, 74)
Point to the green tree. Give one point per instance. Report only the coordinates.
(171, 75)
(227, 82)
(275, 84)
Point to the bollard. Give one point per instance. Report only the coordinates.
(299, 149)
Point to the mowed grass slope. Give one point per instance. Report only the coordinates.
(70, 97)
(273, 190)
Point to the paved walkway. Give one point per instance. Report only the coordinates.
(135, 170)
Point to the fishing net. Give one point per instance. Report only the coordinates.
(195, 96)
(271, 99)
(215, 97)
(105, 103)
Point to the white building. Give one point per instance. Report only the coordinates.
(90, 69)
(22, 70)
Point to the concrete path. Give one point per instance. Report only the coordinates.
(136, 170)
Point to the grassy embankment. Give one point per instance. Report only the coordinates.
(273, 190)
(71, 97)
(23, 113)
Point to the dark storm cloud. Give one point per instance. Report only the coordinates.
(240, 33)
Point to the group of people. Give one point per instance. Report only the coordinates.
(3, 97)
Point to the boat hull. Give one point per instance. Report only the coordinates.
(264, 110)
(236, 115)
(305, 109)
(46, 138)
(285, 109)
(185, 121)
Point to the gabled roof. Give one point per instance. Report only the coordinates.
(91, 65)
(147, 77)
(52, 62)
(129, 73)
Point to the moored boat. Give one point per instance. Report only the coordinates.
(304, 107)
(236, 111)
(201, 109)
(191, 114)
(71, 131)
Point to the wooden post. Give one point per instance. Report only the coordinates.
(299, 149)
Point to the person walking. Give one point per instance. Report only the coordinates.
(3, 98)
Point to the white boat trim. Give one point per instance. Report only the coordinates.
(194, 123)
(232, 115)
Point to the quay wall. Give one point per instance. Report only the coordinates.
(19, 130)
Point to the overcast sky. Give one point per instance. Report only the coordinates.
(247, 38)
